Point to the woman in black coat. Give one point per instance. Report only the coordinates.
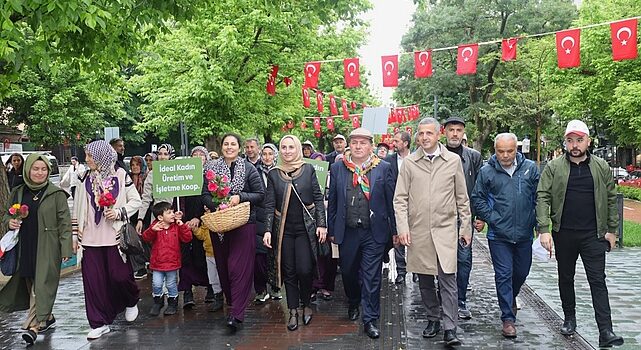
(295, 213)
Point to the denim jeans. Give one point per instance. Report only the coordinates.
(169, 278)
(512, 262)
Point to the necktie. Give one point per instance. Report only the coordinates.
(430, 157)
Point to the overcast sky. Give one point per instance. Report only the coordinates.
(389, 20)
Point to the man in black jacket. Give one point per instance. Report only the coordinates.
(454, 132)
(339, 144)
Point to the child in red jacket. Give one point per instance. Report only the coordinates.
(165, 235)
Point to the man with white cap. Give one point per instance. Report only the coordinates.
(577, 194)
(339, 144)
(361, 221)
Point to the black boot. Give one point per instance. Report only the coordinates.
(218, 302)
(569, 326)
(188, 299)
(159, 302)
(607, 338)
(172, 306)
(210, 294)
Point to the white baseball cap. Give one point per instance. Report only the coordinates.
(577, 127)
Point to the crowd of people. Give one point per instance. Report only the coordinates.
(425, 200)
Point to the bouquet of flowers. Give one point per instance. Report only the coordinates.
(219, 188)
(106, 200)
(10, 239)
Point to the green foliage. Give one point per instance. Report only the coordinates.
(449, 23)
(211, 72)
(631, 234)
(630, 192)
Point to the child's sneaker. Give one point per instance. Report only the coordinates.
(262, 297)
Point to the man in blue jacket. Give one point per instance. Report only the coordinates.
(361, 220)
(505, 198)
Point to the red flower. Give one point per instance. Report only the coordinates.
(210, 175)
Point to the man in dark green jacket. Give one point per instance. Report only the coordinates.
(577, 193)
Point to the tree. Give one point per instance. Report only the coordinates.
(452, 22)
(210, 72)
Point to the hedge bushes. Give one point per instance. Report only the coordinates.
(630, 192)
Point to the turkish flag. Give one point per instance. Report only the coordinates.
(353, 105)
(305, 97)
(624, 39)
(409, 130)
(508, 49)
(391, 119)
(355, 122)
(271, 81)
(287, 81)
(319, 101)
(317, 125)
(345, 110)
(351, 72)
(423, 64)
(290, 124)
(330, 123)
(333, 110)
(312, 70)
(390, 70)
(303, 125)
(568, 48)
(318, 134)
(396, 129)
(466, 59)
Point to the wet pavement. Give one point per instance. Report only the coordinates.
(402, 317)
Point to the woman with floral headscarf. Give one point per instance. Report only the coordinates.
(44, 241)
(236, 250)
(107, 275)
(165, 152)
(296, 215)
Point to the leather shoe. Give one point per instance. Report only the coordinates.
(232, 323)
(353, 313)
(432, 329)
(450, 339)
(372, 331)
(415, 277)
(607, 338)
(292, 324)
(400, 279)
(569, 326)
(307, 315)
(509, 330)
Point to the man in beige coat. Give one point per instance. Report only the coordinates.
(430, 193)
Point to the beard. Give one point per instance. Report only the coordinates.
(577, 153)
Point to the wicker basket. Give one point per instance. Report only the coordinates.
(227, 219)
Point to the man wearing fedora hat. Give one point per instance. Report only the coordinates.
(361, 222)
(577, 195)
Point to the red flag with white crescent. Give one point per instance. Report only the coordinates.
(466, 59)
(390, 70)
(312, 70)
(319, 101)
(271, 81)
(351, 72)
(303, 125)
(409, 130)
(568, 48)
(423, 64)
(330, 123)
(624, 39)
(305, 97)
(344, 108)
(287, 81)
(333, 110)
(508, 49)
(353, 105)
(317, 124)
(356, 122)
(391, 119)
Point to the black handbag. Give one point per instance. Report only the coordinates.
(9, 261)
(130, 242)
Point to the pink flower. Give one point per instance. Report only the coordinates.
(24, 209)
(12, 211)
(212, 187)
(226, 190)
(210, 174)
(225, 178)
(223, 206)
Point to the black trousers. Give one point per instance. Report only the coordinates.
(297, 266)
(570, 245)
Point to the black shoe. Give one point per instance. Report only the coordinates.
(607, 338)
(307, 315)
(400, 279)
(188, 299)
(415, 277)
(232, 324)
(159, 303)
(218, 302)
(569, 326)
(29, 337)
(353, 313)
(292, 324)
(210, 294)
(450, 339)
(50, 324)
(172, 306)
(140, 274)
(372, 331)
(432, 329)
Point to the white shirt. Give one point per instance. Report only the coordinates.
(510, 170)
(436, 153)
